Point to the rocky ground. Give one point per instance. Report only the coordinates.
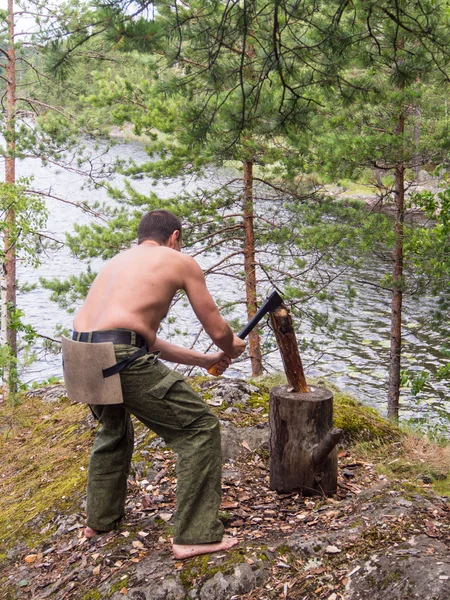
(378, 537)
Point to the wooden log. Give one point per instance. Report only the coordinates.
(303, 455)
(323, 449)
(287, 342)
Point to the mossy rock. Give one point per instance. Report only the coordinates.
(361, 423)
(201, 568)
(92, 595)
(45, 454)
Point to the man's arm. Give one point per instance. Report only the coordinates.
(186, 356)
(207, 312)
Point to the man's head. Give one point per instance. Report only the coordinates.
(160, 226)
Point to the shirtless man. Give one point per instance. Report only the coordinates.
(126, 303)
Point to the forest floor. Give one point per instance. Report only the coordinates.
(385, 534)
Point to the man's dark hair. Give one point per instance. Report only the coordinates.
(158, 225)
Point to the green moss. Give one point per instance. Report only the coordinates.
(442, 486)
(199, 569)
(198, 380)
(9, 592)
(266, 382)
(259, 400)
(143, 444)
(92, 595)
(118, 585)
(45, 467)
(361, 422)
(388, 579)
(284, 549)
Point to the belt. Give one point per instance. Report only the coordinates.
(116, 336)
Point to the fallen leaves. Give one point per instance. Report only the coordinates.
(332, 550)
(165, 516)
(31, 558)
(258, 515)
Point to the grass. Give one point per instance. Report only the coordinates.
(414, 458)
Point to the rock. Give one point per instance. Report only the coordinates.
(423, 176)
(49, 393)
(157, 444)
(137, 595)
(234, 391)
(167, 589)
(396, 575)
(153, 471)
(243, 579)
(425, 478)
(256, 437)
(65, 524)
(307, 547)
(348, 474)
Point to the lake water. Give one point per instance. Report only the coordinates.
(355, 359)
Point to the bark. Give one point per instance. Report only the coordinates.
(287, 343)
(303, 454)
(417, 133)
(397, 279)
(254, 340)
(8, 288)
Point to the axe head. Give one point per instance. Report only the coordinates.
(269, 305)
(273, 301)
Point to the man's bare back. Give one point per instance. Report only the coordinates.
(134, 291)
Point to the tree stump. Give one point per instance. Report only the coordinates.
(303, 455)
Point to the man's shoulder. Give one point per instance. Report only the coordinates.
(162, 255)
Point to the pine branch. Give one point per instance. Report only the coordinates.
(81, 205)
(218, 243)
(209, 269)
(218, 232)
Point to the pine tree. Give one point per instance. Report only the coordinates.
(395, 49)
(258, 79)
(30, 127)
(233, 107)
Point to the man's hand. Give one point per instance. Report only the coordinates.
(219, 360)
(238, 347)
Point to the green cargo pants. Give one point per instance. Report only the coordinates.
(165, 403)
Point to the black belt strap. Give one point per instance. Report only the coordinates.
(120, 366)
(116, 336)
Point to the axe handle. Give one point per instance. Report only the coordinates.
(270, 304)
(213, 370)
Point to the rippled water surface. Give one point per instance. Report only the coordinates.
(355, 359)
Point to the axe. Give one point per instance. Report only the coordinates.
(269, 305)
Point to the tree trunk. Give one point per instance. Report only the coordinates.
(254, 340)
(417, 134)
(8, 288)
(397, 281)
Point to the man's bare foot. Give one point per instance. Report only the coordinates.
(89, 533)
(182, 551)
